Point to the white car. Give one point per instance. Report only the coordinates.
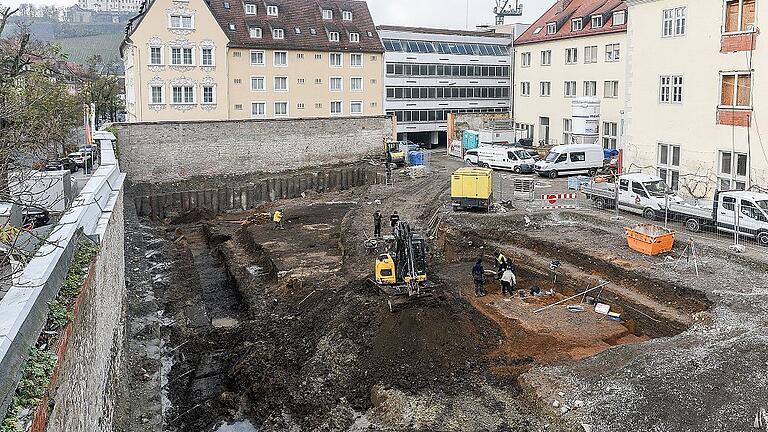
(78, 157)
(471, 158)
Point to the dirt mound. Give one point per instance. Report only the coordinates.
(193, 216)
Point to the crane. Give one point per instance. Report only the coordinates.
(504, 9)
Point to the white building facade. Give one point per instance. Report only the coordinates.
(575, 50)
(693, 106)
(430, 73)
(110, 5)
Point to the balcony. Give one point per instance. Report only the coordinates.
(734, 117)
(736, 42)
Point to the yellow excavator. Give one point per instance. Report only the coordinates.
(402, 272)
(393, 152)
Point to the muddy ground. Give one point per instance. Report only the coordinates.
(232, 320)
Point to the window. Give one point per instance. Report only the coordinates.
(238, 81)
(157, 94)
(545, 88)
(333, 36)
(155, 55)
(619, 18)
(546, 58)
(258, 109)
(206, 57)
(318, 56)
(674, 22)
(257, 83)
(590, 88)
(336, 60)
(525, 89)
(239, 107)
(578, 157)
(346, 15)
(226, 5)
(736, 90)
(570, 89)
(281, 109)
(209, 95)
(281, 84)
(612, 52)
(335, 107)
(739, 16)
(281, 58)
(611, 89)
(356, 84)
(255, 32)
(597, 21)
(356, 60)
(551, 28)
(668, 164)
(567, 130)
(525, 59)
(187, 56)
(236, 54)
(181, 56)
(336, 84)
(576, 25)
(356, 108)
(318, 81)
(327, 14)
(318, 106)
(181, 21)
(183, 94)
(299, 56)
(250, 9)
(278, 33)
(231, 27)
(732, 170)
(671, 89)
(354, 37)
(297, 30)
(571, 55)
(300, 81)
(257, 57)
(300, 106)
(590, 54)
(272, 10)
(610, 135)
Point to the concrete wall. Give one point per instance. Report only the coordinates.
(249, 196)
(84, 397)
(24, 309)
(175, 151)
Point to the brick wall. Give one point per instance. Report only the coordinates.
(175, 151)
(83, 400)
(739, 42)
(734, 117)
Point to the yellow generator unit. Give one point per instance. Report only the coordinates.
(385, 270)
(472, 188)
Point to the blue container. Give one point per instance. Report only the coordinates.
(416, 158)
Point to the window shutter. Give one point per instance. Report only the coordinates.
(748, 14)
(727, 93)
(744, 90)
(732, 16)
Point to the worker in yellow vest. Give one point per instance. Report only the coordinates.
(277, 218)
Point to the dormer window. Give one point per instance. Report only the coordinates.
(327, 14)
(231, 27)
(255, 32)
(346, 15)
(250, 9)
(576, 25)
(354, 37)
(619, 18)
(278, 33)
(272, 10)
(226, 5)
(181, 22)
(333, 36)
(297, 30)
(312, 31)
(551, 28)
(370, 34)
(597, 21)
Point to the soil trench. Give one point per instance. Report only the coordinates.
(279, 329)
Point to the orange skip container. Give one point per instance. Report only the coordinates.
(650, 239)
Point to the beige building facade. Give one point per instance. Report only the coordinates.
(575, 50)
(694, 87)
(194, 60)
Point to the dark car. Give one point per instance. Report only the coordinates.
(63, 164)
(35, 216)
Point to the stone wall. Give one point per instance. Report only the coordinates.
(176, 151)
(83, 399)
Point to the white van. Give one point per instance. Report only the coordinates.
(505, 158)
(571, 159)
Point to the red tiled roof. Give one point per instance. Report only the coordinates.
(304, 15)
(563, 11)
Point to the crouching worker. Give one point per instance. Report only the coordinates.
(277, 218)
(478, 275)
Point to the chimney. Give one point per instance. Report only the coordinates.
(563, 5)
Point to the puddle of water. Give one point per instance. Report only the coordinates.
(241, 426)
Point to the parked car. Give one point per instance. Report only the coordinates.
(506, 158)
(78, 157)
(571, 159)
(471, 158)
(63, 164)
(35, 216)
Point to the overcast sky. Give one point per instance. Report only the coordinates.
(423, 13)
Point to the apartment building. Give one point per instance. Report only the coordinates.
(234, 60)
(575, 49)
(431, 72)
(110, 5)
(694, 82)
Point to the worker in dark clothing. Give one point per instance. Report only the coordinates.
(394, 219)
(377, 224)
(478, 275)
